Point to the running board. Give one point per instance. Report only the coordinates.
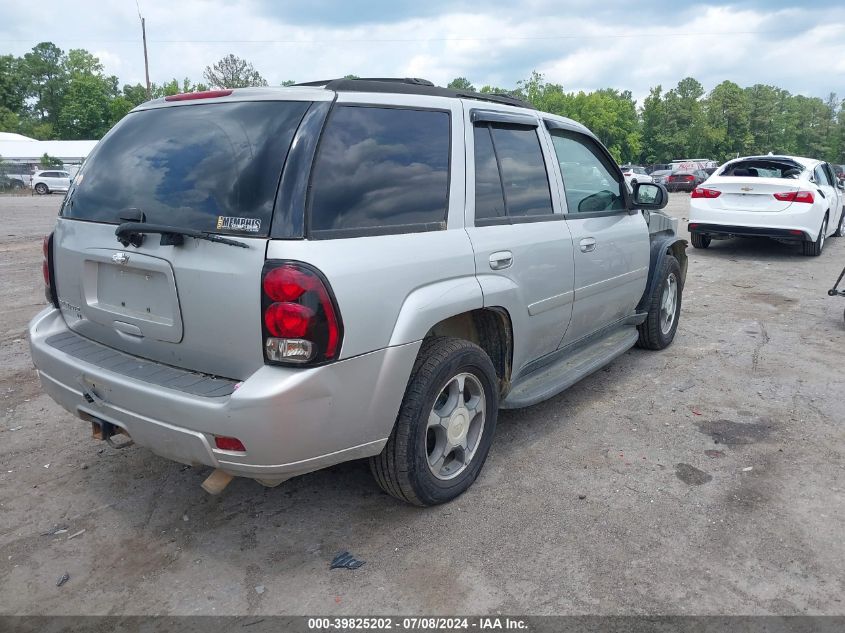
(550, 380)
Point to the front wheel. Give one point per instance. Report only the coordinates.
(41, 189)
(445, 424)
(840, 229)
(664, 307)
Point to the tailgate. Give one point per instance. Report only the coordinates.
(195, 306)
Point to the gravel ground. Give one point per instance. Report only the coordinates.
(713, 477)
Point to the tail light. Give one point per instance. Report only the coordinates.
(301, 322)
(701, 192)
(225, 443)
(795, 196)
(689, 178)
(47, 270)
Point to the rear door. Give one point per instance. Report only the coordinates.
(213, 167)
(611, 245)
(523, 248)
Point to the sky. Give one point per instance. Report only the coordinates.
(581, 44)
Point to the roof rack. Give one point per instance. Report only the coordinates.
(411, 85)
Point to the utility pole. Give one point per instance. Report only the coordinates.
(146, 60)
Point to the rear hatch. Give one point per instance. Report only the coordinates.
(212, 167)
(739, 193)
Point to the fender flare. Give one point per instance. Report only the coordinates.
(425, 307)
(663, 244)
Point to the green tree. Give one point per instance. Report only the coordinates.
(728, 122)
(48, 161)
(87, 106)
(45, 76)
(12, 84)
(233, 72)
(461, 83)
(288, 82)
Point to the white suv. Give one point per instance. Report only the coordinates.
(48, 181)
(272, 281)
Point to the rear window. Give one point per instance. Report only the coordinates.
(210, 167)
(762, 169)
(380, 170)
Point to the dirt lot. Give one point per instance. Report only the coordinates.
(714, 475)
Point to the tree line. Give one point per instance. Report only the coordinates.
(52, 94)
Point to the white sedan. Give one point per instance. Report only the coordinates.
(49, 181)
(782, 197)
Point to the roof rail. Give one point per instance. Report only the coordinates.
(411, 85)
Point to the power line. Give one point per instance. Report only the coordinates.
(430, 39)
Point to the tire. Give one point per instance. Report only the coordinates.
(658, 330)
(814, 249)
(699, 240)
(840, 229)
(41, 189)
(419, 446)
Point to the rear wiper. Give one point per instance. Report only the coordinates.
(134, 232)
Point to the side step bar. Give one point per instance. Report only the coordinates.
(550, 380)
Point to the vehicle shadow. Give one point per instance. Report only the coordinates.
(756, 248)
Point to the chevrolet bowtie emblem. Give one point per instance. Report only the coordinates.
(746, 188)
(120, 258)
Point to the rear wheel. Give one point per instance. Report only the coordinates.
(840, 228)
(814, 249)
(41, 189)
(699, 240)
(445, 425)
(664, 307)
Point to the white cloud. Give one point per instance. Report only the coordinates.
(796, 49)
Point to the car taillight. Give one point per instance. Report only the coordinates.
(47, 270)
(300, 320)
(701, 192)
(689, 178)
(795, 196)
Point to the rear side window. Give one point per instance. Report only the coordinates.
(211, 167)
(380, 171)
(510, 173)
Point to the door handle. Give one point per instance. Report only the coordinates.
(588, 244)
(501, 260)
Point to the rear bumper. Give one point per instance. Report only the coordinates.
(796, 217)
(746, 231)
(291, 421)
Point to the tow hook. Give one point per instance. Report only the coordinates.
(102, 430)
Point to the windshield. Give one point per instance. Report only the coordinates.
(210, 167)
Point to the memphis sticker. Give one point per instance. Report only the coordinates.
(245, 225)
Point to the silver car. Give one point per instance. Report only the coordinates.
(272, 281)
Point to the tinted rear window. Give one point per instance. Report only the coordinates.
(211, 167)
(381, 170)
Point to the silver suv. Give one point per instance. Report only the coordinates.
(272, 281)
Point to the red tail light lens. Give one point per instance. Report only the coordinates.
(301, 323)
(795, 196)
(229, 444)
(701, 192)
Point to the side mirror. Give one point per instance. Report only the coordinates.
(650, 195)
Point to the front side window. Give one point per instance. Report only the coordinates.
(381, 170)
(591, 184)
